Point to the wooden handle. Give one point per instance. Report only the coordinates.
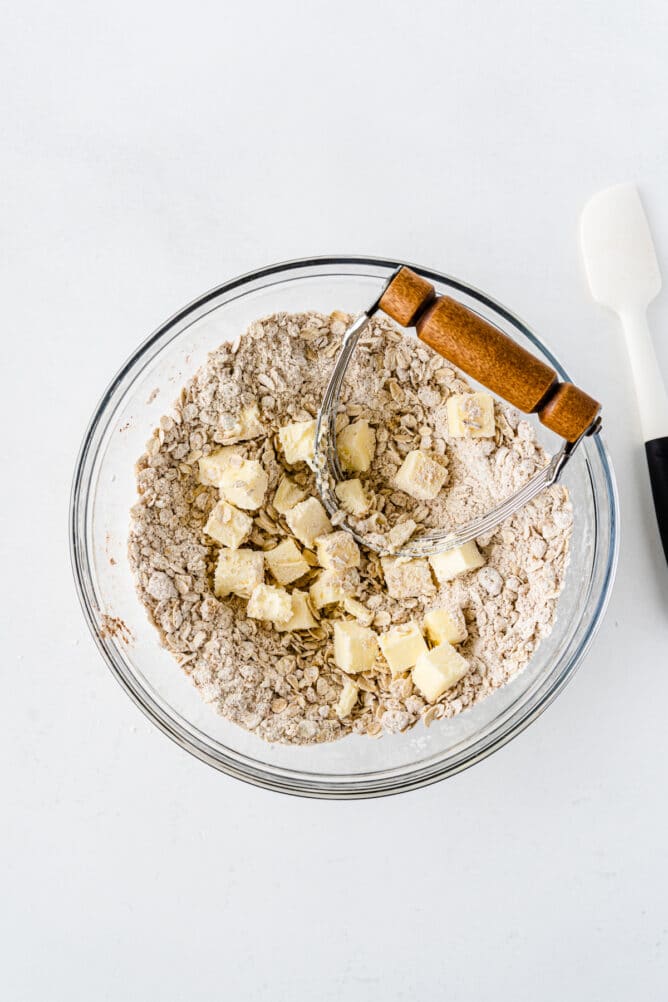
(406, 297)
(569, 411)
(482, 351)
(488, 355)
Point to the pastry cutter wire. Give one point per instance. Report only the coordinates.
(488, 356)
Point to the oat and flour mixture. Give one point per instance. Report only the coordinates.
(285, 625)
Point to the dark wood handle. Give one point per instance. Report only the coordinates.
(488, 355)
(482, 351)
(406, 297)
(569, 411)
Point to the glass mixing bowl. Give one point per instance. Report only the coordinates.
(104, 490)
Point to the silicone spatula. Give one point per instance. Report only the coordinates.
(623, 274)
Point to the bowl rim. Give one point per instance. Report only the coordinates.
(280, 779)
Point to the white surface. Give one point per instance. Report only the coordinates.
(624, 275)
(149, 154)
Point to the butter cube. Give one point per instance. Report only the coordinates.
(238, 572)
(359, 611)
(211, 467)
(402, 646)
(407, 578)
(445, 625)
(244, 426)
(353, 497)
(337, 550)
(459, 560)
(243, 483)
(301, 618)
(287, 495)
(286, 562)
(308, 520)
(438, 670)
(347, 699)
(267, 602)
(327, 589)
(298, 441)
(420, 476)
(471, 414)
(228, 526)
(356, 445)
(355, 647)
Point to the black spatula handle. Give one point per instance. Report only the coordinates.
(657, 460)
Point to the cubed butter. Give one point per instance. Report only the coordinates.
(445, 626)
(243, 426)
(302, 617)
(286, 562)
(407, 578)
(228, 526)
(298, 441)
(211, 467)
(355, 647)
(308, 520)
(267, 602)
(337, 551)
(402, 646)
(420, 476)
(347, 699)
(243, 483)
(437, 670)
(287, 495)
(471, 415)
(459, 560)
(327, 589)
(238, 572)
(353, 497)
(356, 445)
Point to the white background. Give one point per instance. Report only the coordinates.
(149, 153)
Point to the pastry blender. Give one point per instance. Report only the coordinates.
(488, 356)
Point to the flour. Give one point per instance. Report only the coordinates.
(283, 686)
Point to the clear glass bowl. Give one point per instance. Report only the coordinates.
(104, 490)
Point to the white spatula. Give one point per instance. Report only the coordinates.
(623, 274)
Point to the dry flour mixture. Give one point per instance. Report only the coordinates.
(280, 620)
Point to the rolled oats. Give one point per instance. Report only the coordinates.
(285, 686)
